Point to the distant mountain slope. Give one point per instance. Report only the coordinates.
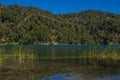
(28, 25)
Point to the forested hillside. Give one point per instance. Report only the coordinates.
(28, 25)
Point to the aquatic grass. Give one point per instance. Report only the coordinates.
(109, 55)
(21, 53)
(89, 55)
(17, 57)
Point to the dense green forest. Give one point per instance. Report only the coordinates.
(28, 25)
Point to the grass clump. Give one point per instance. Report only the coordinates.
(107, 55)
(23, 54)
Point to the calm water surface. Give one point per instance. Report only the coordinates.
(60, 62)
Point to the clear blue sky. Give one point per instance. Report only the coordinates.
(66, 6)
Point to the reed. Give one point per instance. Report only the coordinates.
(17, 54)
(108, 55)
(22, 54)
(94, 55)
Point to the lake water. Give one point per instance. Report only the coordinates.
(59, 62)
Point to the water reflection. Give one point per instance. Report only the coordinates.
(56, 63)
(63, 76)
(56, 70)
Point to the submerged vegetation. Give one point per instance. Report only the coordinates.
(28, 25)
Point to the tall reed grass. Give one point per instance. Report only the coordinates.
(17, 54)
(22, 53)
(108, 55)
(91, 54)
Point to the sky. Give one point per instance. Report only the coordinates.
(67, 6)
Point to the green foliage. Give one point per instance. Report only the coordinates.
(28, 25)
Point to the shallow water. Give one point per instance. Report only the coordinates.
(71, 76)
(59, 62)
(63, 76)
(57, 70)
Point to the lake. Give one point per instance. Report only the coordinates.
(60, 62)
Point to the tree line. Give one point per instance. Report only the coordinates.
(29, 25)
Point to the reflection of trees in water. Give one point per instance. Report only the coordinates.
(31, 70)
